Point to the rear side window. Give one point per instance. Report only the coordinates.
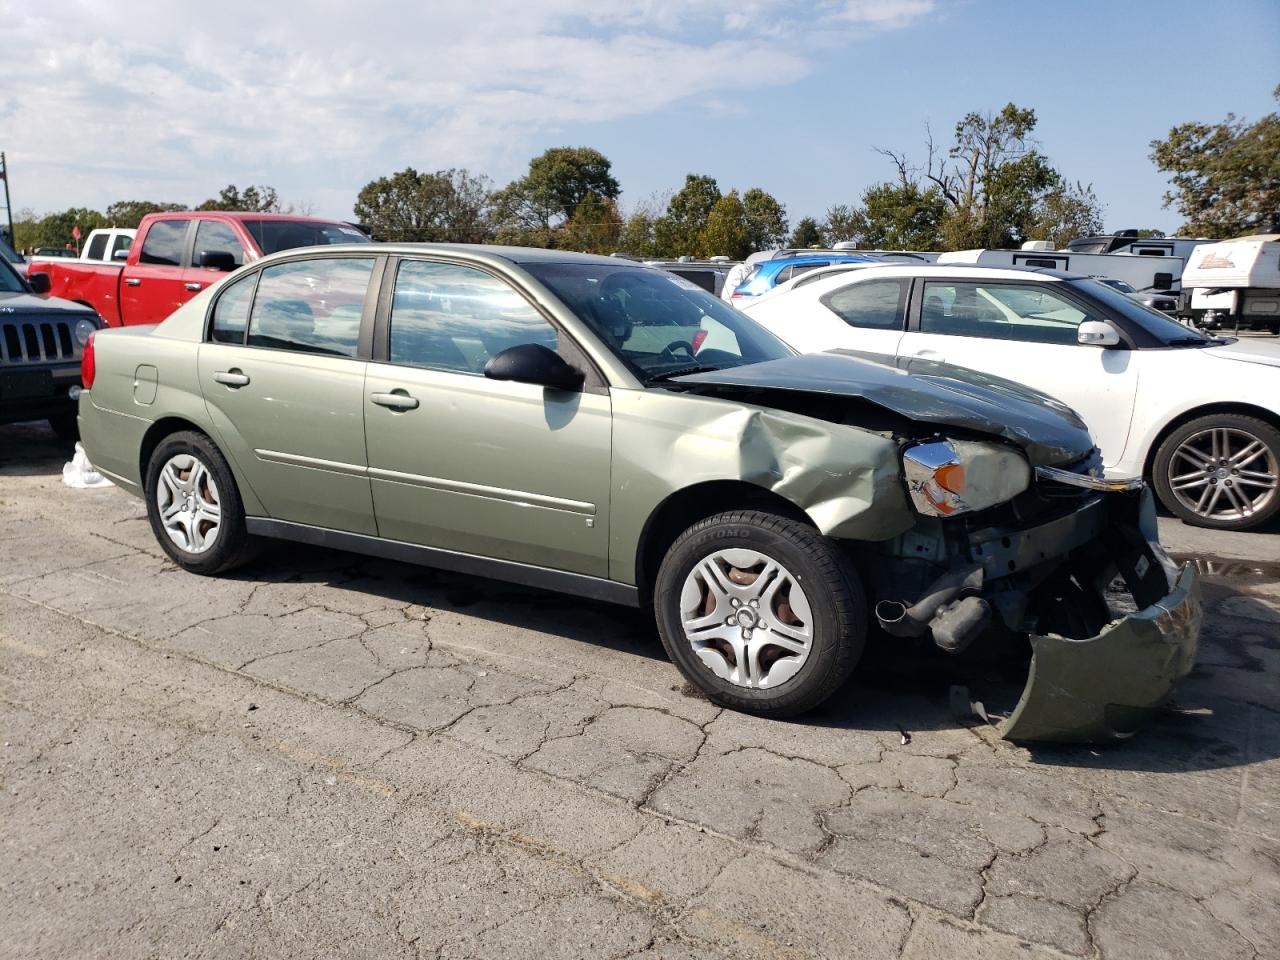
(231, 312)
(311, 306)
(876, 304)
(451, 317)
(217, 237)
(97, 247)
(163, 244)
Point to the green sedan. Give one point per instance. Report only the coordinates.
(607, 429)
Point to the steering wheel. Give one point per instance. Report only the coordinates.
(670, 349)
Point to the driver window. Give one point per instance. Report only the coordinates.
(1023, 312)
(446, 316)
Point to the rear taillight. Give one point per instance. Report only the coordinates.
(88, 368)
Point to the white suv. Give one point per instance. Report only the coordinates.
(1197, 415)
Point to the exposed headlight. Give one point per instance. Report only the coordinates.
(947, 477)
(84, 327)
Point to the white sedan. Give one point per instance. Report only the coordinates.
(1198, 416)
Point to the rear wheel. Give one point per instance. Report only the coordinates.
(66, 427)
(761, 612)
(194, 506)
(1220, 471)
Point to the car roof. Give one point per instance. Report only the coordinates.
(957, 270)
(824, 257)
(477, 251)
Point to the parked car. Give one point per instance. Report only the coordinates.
(598, 427)
(1198, 415)
(710, 274)
(41, 341)
(53, 253)
(1163, 300)
(176, 255)
(767, 274)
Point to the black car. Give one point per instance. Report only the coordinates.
(41, 342)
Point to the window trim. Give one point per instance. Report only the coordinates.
(364, 337)
(1098, 310)
(904, 296)
(567, 345)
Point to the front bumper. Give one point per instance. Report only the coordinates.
(1101, 688)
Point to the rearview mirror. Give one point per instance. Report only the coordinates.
(216, 260)
(1096, 333)
(534, 363)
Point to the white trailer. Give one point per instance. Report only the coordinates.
(1235, 283)
(1143, 273)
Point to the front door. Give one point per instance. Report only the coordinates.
(1027, 333)
(151, 289)
(460, 462)
(284, 386)
(212, 236)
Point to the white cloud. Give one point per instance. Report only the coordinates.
(150, 100)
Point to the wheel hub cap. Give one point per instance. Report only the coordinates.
(747, 618)
(188, 503)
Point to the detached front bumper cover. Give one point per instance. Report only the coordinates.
(1101, 688)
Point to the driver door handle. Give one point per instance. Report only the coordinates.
(395, 401)
(132, 282)
(232, 378)
(193, 286)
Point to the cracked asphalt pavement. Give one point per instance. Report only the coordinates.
(329, 756)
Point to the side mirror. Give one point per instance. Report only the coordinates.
(121, 255)
(216, 260)
(534, 363)
(39, 282)
(1096, 333)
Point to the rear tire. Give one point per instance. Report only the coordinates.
(1221, 471)
(760, 612)
(66, 427)
(194, 506)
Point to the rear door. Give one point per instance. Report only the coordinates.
(282, 371)
(151, 289)
(457, 461)
(1026, 332)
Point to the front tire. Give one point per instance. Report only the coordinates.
(66, 427)
(760, 612)
(1220, 471)
(194, 506)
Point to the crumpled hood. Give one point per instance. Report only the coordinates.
(1048, 431)
(28, 303)
(1251, 351)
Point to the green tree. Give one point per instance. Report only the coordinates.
(1225, 176)
(807, 234)
(727, 231)
(448, 206)
(1065, 213)
(678, 232)
(637, 235)
(254, 199)
(842, 224)
(127, 213)
(530, 210)
(766, 220)
(901, 217)
(595, 227)
(54, 229)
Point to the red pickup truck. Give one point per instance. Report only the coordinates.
(176, 255)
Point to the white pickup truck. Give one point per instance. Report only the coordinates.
(110, 245)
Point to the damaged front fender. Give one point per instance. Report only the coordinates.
(1101, 688)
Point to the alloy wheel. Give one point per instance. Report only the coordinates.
(1224, 473)
(747, 618)
(188, 503)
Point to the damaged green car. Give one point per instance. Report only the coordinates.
(609, 430)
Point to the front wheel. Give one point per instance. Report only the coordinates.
(194, 506)
(1220, 471)
(760, 612)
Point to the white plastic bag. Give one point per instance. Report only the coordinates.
(79, 473)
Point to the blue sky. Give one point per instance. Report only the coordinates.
(144, 99)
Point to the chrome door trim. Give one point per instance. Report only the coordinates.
(482, 490)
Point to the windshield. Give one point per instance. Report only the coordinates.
(658, 323)
(10, 282)
(273, 236)
(1160, 326)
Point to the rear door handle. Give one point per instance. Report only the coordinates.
(395, 401)
(193, 286)
(132, 282)
(232, 378)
